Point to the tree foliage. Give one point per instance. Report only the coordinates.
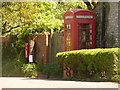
(18, 17)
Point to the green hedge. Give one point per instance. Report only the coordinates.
(34, 70)
(92, 63)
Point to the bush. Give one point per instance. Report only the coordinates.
(91, 63)
(12, 60)
(50, 70)
(32, 70)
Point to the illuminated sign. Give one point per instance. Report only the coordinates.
(68, 17)
(81, 16)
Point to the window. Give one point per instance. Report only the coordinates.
(68, 43)
(68, 26)
(84, 25)
(86, 44)
(85, 35)
(85, 32)
(68, 36)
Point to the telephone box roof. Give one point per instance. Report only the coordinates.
(77, 10)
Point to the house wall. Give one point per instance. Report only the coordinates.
(111, 29)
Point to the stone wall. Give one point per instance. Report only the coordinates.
(112, 29)
(98, 12)
(107, 24)
(119, 24)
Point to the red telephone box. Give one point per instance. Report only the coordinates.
(79, 30)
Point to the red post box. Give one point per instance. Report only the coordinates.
(79, 30)
(27, 50)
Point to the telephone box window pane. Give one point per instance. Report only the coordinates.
(68, 35)
(83, 43)
(86, 37)
(68, 49)
(84, 25)
(89, 44)
(82, 37)
(85, 32)
(68, 26)
(68, 45)
(86, 44)
(68, 38)
(67, 32)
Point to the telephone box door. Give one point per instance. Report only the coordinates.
(86, 35)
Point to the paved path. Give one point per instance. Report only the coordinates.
(39, 83)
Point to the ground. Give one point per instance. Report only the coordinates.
(13, 82)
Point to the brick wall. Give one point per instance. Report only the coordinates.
(4, 39)
(47, 46)
(41, 47)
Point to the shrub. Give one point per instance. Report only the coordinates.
(91, 63)
(32, 70)
(50, 70)
(12, 58)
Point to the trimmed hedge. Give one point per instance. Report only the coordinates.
(34, 70)
(91, 63)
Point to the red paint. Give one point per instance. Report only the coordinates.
(85, 17)
(27, 50)
(64, 71)
(71, 72)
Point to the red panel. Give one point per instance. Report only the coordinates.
(27, 50)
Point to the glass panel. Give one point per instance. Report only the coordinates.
(68, 49)
(68, 43)
(85, 37)
(89, 44)
(68, 26)
(82, 37)
(85, 31)
(67, 32)
(84, 25)
(68, 39)
(86, 44)
(83, 43)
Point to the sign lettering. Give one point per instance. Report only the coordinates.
(81, 16)
(68, 17)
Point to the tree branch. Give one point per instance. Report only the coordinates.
(10, 29)
(88, 4)
(94, 4)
